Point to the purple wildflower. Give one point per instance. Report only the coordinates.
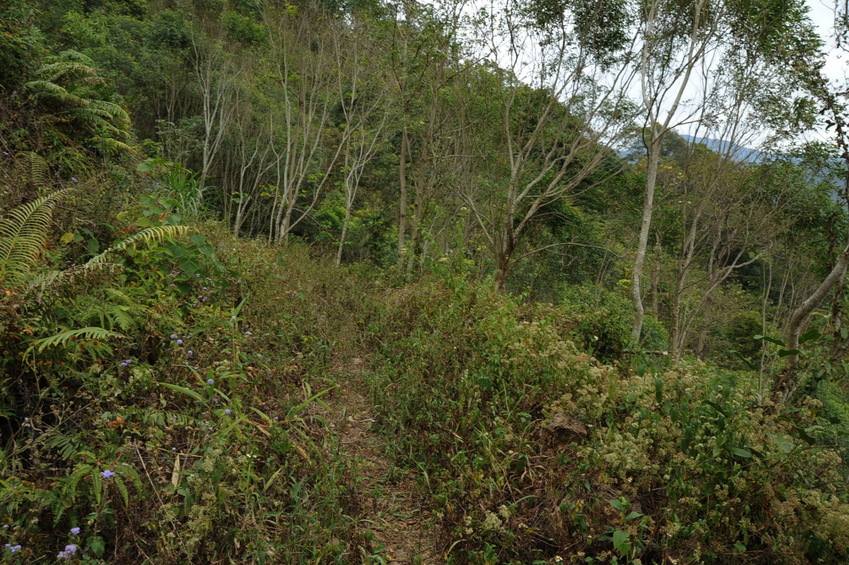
(179, 342)
(74, 179)
(13, 548)
(173, 336)
(70, 551)
(210, 382)
(190, 352)
(107, 474)
(75, 531)
(227, 411)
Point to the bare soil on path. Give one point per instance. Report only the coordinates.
(392, 522)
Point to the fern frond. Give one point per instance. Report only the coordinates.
(66, 69)
(163, 418)
(122, 490)
(127, 470)
(67, 446)
(63, 338)
(122, 315)
(36, 168)
(112, 145)
(112, 111)
(54, 92)
(23, 234)
(41, 283)
(149, 235)
(75, 56)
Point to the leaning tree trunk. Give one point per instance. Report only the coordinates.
(786, 384)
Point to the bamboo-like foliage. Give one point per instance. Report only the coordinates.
(23, 234)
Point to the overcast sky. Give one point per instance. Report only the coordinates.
(822, 13)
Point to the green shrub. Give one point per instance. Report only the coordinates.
(603, 320)
(529, 449)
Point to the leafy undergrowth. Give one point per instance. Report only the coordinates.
(160, 411)
(530, 450)
(165, 411)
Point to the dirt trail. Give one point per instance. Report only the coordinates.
(390, 509)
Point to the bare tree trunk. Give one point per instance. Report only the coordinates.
(655, 278)
(642, 244)
(655, 84)
(503, 262)
(402, 182)
(343, 235)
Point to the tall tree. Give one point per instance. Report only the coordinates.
(562, 103)
(364, 109)
(424, 59)
(302, 51)
(676, 38)
(681, 43)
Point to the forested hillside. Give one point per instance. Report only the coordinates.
(442, 282)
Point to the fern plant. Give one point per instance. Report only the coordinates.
(23, 235)
(150, 235)
(74, 95)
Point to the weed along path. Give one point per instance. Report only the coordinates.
(392, 523)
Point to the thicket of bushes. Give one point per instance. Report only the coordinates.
(149, 413)
(530, 449)
(158, 407)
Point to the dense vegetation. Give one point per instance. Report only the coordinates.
(587, 336)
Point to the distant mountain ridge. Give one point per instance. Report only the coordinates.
(746, 154)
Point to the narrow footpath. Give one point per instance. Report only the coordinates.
(391, 517)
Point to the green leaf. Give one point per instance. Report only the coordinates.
(739, 547)
(187, 391)
(716, 407)
(788, 352)
(97, 545)
(633, 516)
(770, 340)
(617, 504)
(620, 541)
(658, 390)
(146, 166)
(751, 366)
(813, 333)
(783, 444)
(741, 452)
